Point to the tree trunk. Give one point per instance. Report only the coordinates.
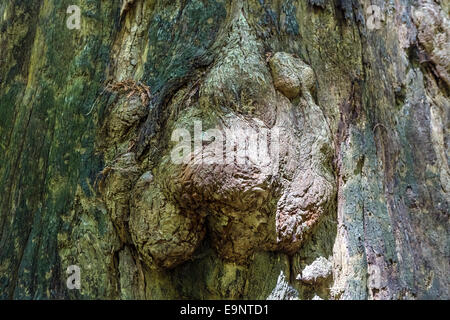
(350, 201)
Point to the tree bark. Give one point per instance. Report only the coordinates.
(357, 207)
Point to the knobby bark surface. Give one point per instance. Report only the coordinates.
(354, 205)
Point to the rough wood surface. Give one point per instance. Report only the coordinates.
(357, 207)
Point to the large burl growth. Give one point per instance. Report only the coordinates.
(225, 149)
(247, 199)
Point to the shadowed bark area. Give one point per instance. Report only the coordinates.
(353, 203)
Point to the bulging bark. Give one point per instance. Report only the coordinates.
(286, 149)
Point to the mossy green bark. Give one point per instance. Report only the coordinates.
(385, 106)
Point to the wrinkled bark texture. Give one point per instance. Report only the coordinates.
(354, 205)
